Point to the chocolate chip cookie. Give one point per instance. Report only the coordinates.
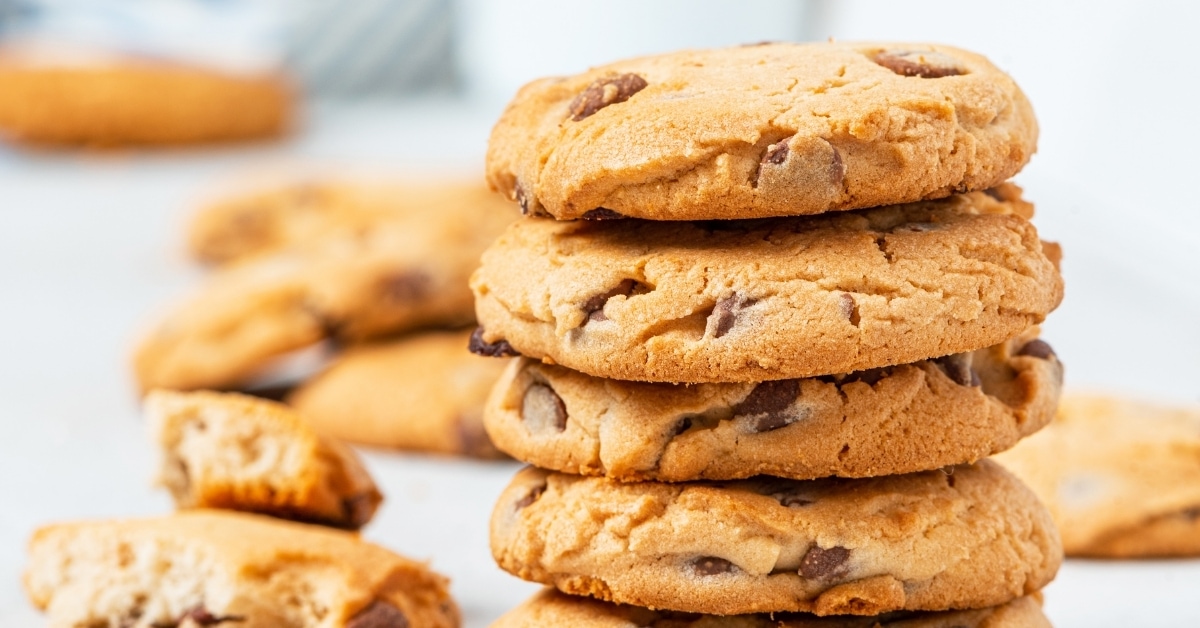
(551, 609)
(352, 284)
(239, 225)
(912, 417)
(1120, 476)
(46, 99)
(241, 453)
(769, 130)
(964, 537)
(753, 301)
(206, 568)
(423, 392)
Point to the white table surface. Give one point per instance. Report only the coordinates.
(90, 248)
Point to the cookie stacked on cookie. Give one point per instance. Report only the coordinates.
(774, 305)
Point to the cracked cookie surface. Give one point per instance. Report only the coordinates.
(783, 298)
(551, 609)
(912, 417)
(1121, 476)
(769, 130)
(423, 392)
(231, 569)
(970, 536)
(231, 451)
(351, 284)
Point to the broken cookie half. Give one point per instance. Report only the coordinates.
(234, 452)
(235, 570)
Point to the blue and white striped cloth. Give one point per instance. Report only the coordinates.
(336, 48)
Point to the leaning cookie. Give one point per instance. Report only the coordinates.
(768, 130)
(551, 609)
(230, 451)
(123, 101)
(353, 284)
(912, 417)
(752, 301)
(239, 225)
(423, 392)
(203, 568)
(963, 537)
(1121, 477)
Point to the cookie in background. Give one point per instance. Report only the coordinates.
(422, 392)
(258, 219)
(1120, 476)
(346, 281)
(210, 567)
(66, 97)
(231, 451)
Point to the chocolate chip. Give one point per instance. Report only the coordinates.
(711, 566)
(543, 410)
(776, 153)
(837, 169)
(725, 314)
(522, 198)
(770, 406)
(602, 213)
(594, 307)
(849, 308)
(378, 614)
(1037, 348)
(792, 500)
(530, 497)
(199, 616)
(958, 368)
(405, 286)
(919, 63)
(823, 563)
(358, 509)
(870, 376)
(604, 92)
(498, 349)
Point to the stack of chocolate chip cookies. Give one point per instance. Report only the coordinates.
(775, 305)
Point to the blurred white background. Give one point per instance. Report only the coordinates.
(90, 244)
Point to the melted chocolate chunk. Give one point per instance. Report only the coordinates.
(594, 307)
(711, 566)
(958, 368)
(918, 63)
(543, 410)
(200, 616)
(1037, 348)
(823, 563)
(498, 349)
(726, 312)
(602, 213)
(770, 406)
(776, 153)
(530, 497)
(604, 92)
(837, 168)
(378, 614)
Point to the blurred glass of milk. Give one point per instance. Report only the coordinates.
(503, 44)
(230, 35)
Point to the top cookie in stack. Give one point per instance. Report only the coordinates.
(795, 260)
(766, 130)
